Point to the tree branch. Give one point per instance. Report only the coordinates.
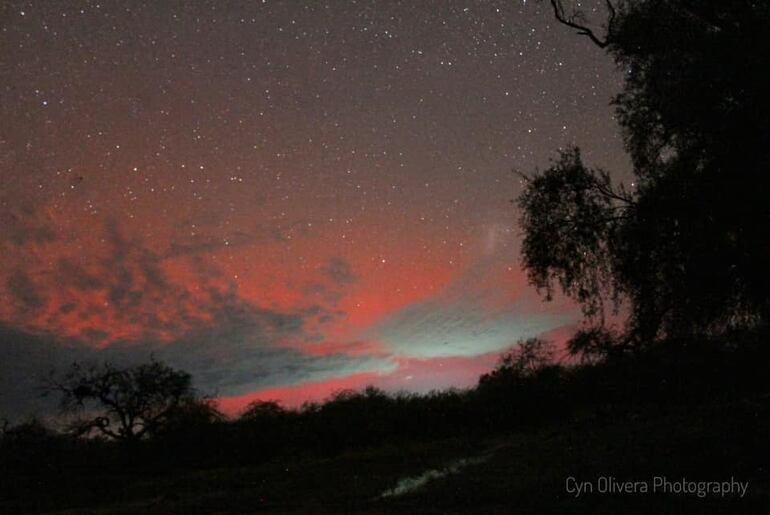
(608, 192)
(101, 424)
(570, 21)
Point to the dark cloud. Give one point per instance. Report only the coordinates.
(121, 290)
(338, 269)
(23, 291)
(25, 362)
(24, 225)
(225, 360)
(336, 276)
(122, 299)
(77, 275)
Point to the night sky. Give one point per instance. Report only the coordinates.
(283, 198)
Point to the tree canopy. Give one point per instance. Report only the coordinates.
(686, 248)
(123, 403)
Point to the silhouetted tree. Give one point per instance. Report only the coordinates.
(571, 216)
(262, 410)
(191, 415)
(122, 403)
(593, 344)
(525, 360)
(526, 385)
(686, 247)
(529, 356)
(33, 430)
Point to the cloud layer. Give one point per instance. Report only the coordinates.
(124, 301)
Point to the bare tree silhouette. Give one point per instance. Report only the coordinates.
(122, 403)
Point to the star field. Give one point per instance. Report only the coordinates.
(284, 193)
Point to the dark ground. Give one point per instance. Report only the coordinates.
(525, 472)
(507, 446)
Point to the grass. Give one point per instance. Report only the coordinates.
(506, 447)
(525, 472)
(528, 476)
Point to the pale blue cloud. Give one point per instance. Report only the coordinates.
(437, 329)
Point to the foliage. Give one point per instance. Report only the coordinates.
(527, 393)
(123, 403)
(527, 358)
(190, 415)
(262, 410)
(592, 344)
(686, 247)
(29, 432)
(571, 216)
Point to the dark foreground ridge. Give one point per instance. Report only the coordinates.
(532, 437)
